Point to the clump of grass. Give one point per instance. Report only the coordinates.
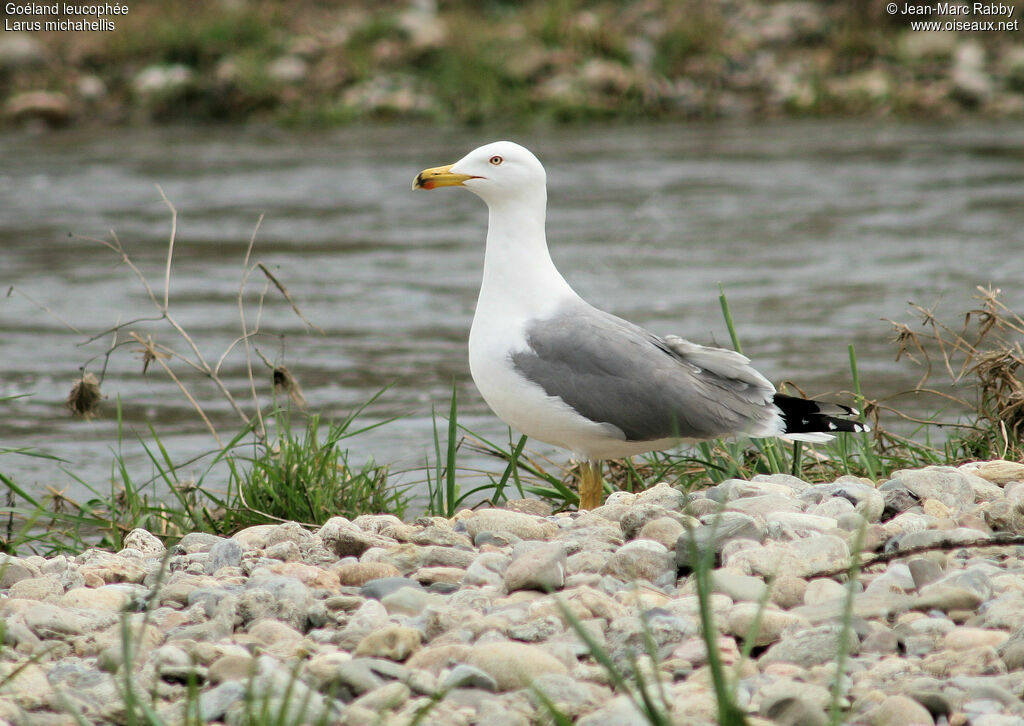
(983, 361)
(167, 504)
(304, 476)
(252, 476)
(166, 32)
(445, 493)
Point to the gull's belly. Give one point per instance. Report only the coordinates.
(521, 404)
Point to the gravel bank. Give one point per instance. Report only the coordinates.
(363, 621)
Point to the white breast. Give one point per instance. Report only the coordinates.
(526, 407)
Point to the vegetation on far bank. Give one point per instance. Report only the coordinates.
(308, 62)
(283, 463)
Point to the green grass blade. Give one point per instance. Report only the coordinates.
(557, 716)
(510, 471)
(852, 573)
(798, 450)
(867, 451)
(728, 713)
(436, 491)
(451, 483)
(727, 314)
(9, 483)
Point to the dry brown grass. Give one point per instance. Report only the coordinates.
(983, 359)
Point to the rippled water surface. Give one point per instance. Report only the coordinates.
(816, 231)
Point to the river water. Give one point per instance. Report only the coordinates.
(815, 230)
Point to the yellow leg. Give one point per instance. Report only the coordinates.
(591, 486)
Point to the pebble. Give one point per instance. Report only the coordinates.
(47, 588)
(944, 484)
(50, 107)
(230, 667)
(665, 530)
(715, 533)
(345, 539)
(157, 80)
(640, 559)
(664, 495)
(524, 526)
(865, 498)
(382, 614)
(487, 569)
(947, 598)
(215, 702)
(999, 471)
(770, 623)
(810, 646)
(799, 558)
(901, 711)
(739, 587)
(225, 553)
(823, 590)
(394, 642)
(765, 504)
(924, 571)
(195, 542)
(536, 568)
(388, 697)
(794, 711)
(384, 586)
(467, 676)
(788, 591)
(513, 665)
(360, 573)
(144, 542)
(98, 567)
(20, 49)
(966, 638)
(799, 523)
(111, 598)
(409, 601)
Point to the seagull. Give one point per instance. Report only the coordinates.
(561, 371)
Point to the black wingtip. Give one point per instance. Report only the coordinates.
(806, 416)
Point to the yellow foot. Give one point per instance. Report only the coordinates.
(591, 486)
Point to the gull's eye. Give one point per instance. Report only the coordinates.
(496, 161)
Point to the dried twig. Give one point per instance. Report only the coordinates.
(983, 357)
(246, 271)
(287, 296)
(16, 290)
(161, 359)
(153, 351)
(170, 247)
(881, 558)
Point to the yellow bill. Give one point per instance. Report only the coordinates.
(439, 176)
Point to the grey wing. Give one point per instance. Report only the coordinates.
(612, 371)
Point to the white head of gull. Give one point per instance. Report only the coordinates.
(559, 370)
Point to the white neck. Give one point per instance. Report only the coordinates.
(519, 277)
